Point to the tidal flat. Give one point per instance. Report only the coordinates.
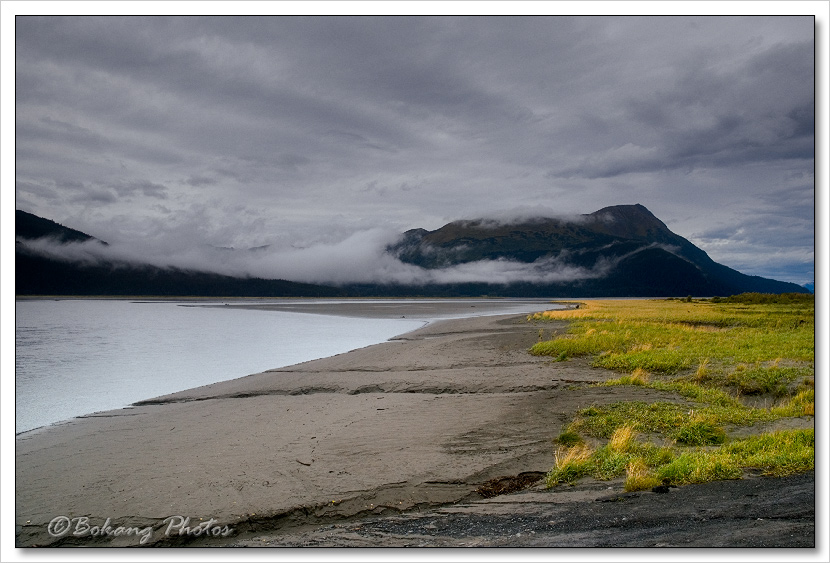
(413, 426)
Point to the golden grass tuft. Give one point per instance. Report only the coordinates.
(622, 439)
(639, 477)
(570, 464)
(564, 457)
(802, 404)
(639, 377)
(702, 372)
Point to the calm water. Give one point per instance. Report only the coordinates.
(75, 357)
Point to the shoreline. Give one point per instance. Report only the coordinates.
(300, 437)
(412, 426)
(421, 311)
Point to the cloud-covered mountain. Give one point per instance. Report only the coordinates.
(32, 227)
(51, 259)
(617, 251)
(622, 250)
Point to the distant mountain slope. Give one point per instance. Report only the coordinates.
(612, 231)
(30, 226)
(36, 274)
(624, 250)
(619, 251)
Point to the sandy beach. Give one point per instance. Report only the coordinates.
(403, 427)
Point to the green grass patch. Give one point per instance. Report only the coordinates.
(647, 465)
(700, 393)
(699, 466)
(669, 419)
(604, 463)
(699, 433)
(601, 422)
(802, 404)
(777, 454)
(568, 438)
(761, 380)
(666, 361)
(668, 336)
(714, 354)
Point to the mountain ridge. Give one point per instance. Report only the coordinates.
(640, 246)
(36, 274)
(617, 251)
(30, 226)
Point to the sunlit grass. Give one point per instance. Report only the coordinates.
(601, 422)
(639, 476)
(712, 354)
(647, 465)
(777, 454)
(571, 464)
(699, 466)
(667, 419)
(669, 336)
(761, 380)
(622, 439)
(802, 404)
(606, 462)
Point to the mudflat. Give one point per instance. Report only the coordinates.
(390, 431)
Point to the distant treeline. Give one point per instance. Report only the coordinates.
(766, 298)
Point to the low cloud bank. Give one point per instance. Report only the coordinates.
(360, 258)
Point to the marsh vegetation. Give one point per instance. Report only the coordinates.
(733, 362)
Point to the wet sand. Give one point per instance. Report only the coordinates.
(405, 426)
(392, 308)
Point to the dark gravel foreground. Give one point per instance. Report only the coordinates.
(753, 512)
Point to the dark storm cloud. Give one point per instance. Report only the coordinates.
(308, 131)
(706, 117)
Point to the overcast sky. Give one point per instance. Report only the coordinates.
(324, 134)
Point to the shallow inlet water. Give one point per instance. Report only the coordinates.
(75, 356)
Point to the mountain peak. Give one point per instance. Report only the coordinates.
(628, 211)
(628, 221)
(621, 250)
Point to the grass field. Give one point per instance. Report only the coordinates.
(722, 356)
